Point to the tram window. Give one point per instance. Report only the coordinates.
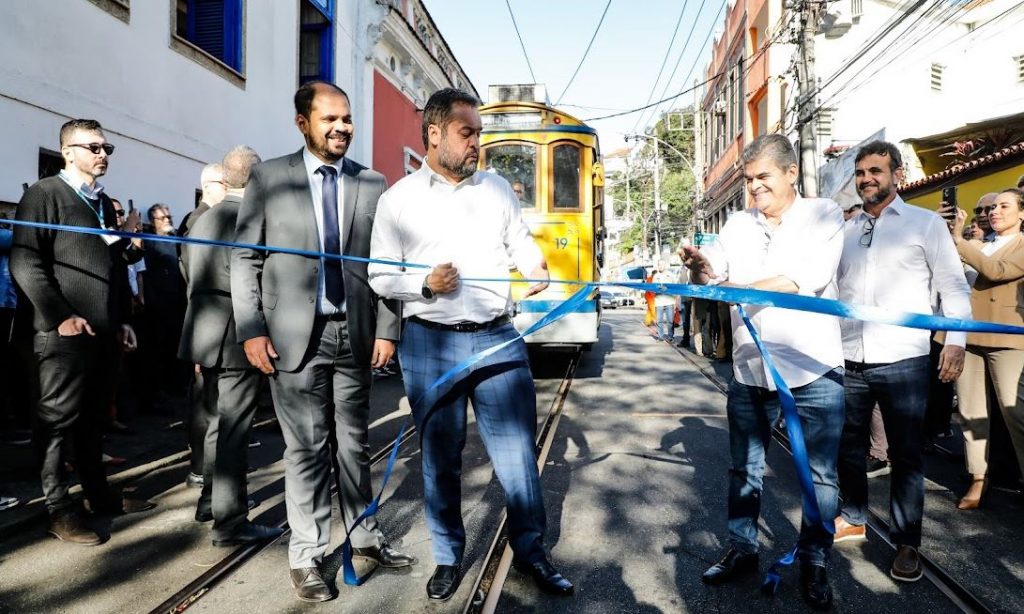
(567, 177)
(517, 163)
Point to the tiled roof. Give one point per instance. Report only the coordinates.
(960, 169)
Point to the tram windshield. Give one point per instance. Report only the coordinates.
(516, 162)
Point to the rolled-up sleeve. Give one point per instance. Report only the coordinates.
(813, 266)
(392, 281)
(948, 278)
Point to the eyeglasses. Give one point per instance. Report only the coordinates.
(978, 210)
(869, 232)
(118, 212)
(163, 217)
(95, 148)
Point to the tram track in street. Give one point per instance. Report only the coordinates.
(490, 581)
(957, 593)
(227, 566)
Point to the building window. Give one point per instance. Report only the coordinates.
(316, 41)
(936, 76)
(118, 8)
(50, 163)
(856, 9)
(1019, 61)
(215, 26)
(517, 163)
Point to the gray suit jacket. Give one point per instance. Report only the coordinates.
(275, 294)
(208, 336)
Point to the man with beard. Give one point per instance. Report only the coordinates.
(77, 291)
(782, 243)
(981, 215)
(895, 256)
(464, 222)
(316, 327)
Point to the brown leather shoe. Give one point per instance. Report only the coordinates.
(309, 585)
(907, 565)
(846, 532)
(68, 528)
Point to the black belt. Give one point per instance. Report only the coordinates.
(860, 367)
(341, 316)
(463, 327)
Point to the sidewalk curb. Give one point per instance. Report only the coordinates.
(34, 511)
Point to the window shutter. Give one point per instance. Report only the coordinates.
(209, 20)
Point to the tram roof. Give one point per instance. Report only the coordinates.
(514, 116)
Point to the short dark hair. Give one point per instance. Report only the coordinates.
(307, 92)
(88, 125)
(438, 110)
(881, 148)
(775, 147)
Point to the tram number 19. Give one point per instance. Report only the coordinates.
(561, 243)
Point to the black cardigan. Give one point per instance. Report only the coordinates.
(66, 273)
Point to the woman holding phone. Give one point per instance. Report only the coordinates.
(997, 296)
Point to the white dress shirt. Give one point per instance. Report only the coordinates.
(316, 186)
(476, 225)
(664, 277)
(910, 261)
(805, 248)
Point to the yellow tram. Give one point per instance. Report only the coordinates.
(553, 162)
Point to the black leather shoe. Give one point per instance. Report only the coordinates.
(733, 564)
(117, 506)
(443, 584)
(309, 585)
(815, 587)
(249, 533)
(207, 515)
(545, 576)
(194, 480)
(385, 556)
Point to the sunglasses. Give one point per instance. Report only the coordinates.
(118, 212)
(978, 210)
(869, 232)
(95, 148)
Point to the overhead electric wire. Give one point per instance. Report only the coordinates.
(522, 45)
(689, 89)
(664, 60)
(962, 8)
(668, 83)
(585, 53)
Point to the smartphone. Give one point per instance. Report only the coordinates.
(949, 197)
(131, 206)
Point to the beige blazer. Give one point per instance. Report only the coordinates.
(998, 294)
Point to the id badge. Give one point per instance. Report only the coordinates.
(110, 239)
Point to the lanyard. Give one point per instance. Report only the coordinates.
(97, 210)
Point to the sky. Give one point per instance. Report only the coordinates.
(618, 74)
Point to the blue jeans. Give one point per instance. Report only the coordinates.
(505, 405)
(901, 391)
(665, 316)
(752, 411)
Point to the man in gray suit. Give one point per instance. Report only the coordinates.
(317, 327)
(230, 386)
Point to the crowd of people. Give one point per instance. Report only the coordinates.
(865, 392)
(218, 324)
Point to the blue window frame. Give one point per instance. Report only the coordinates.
(316, 40)
(215, 26)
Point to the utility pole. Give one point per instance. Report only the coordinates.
(809, 14)
(657, 202)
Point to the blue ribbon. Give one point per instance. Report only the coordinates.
(438, 389)
(739, 296)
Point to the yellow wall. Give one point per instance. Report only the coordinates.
(970, 191)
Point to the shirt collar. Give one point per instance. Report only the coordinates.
(898, 207)
(433, 177)
(92, 193)
(314, 163)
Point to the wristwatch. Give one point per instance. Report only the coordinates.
(426, 291)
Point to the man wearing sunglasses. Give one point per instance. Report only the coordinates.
(895, 256)
(981, 211)
(77, 290)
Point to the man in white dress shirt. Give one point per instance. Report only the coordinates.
(466, 224)
(782, 243)
(896, 256)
